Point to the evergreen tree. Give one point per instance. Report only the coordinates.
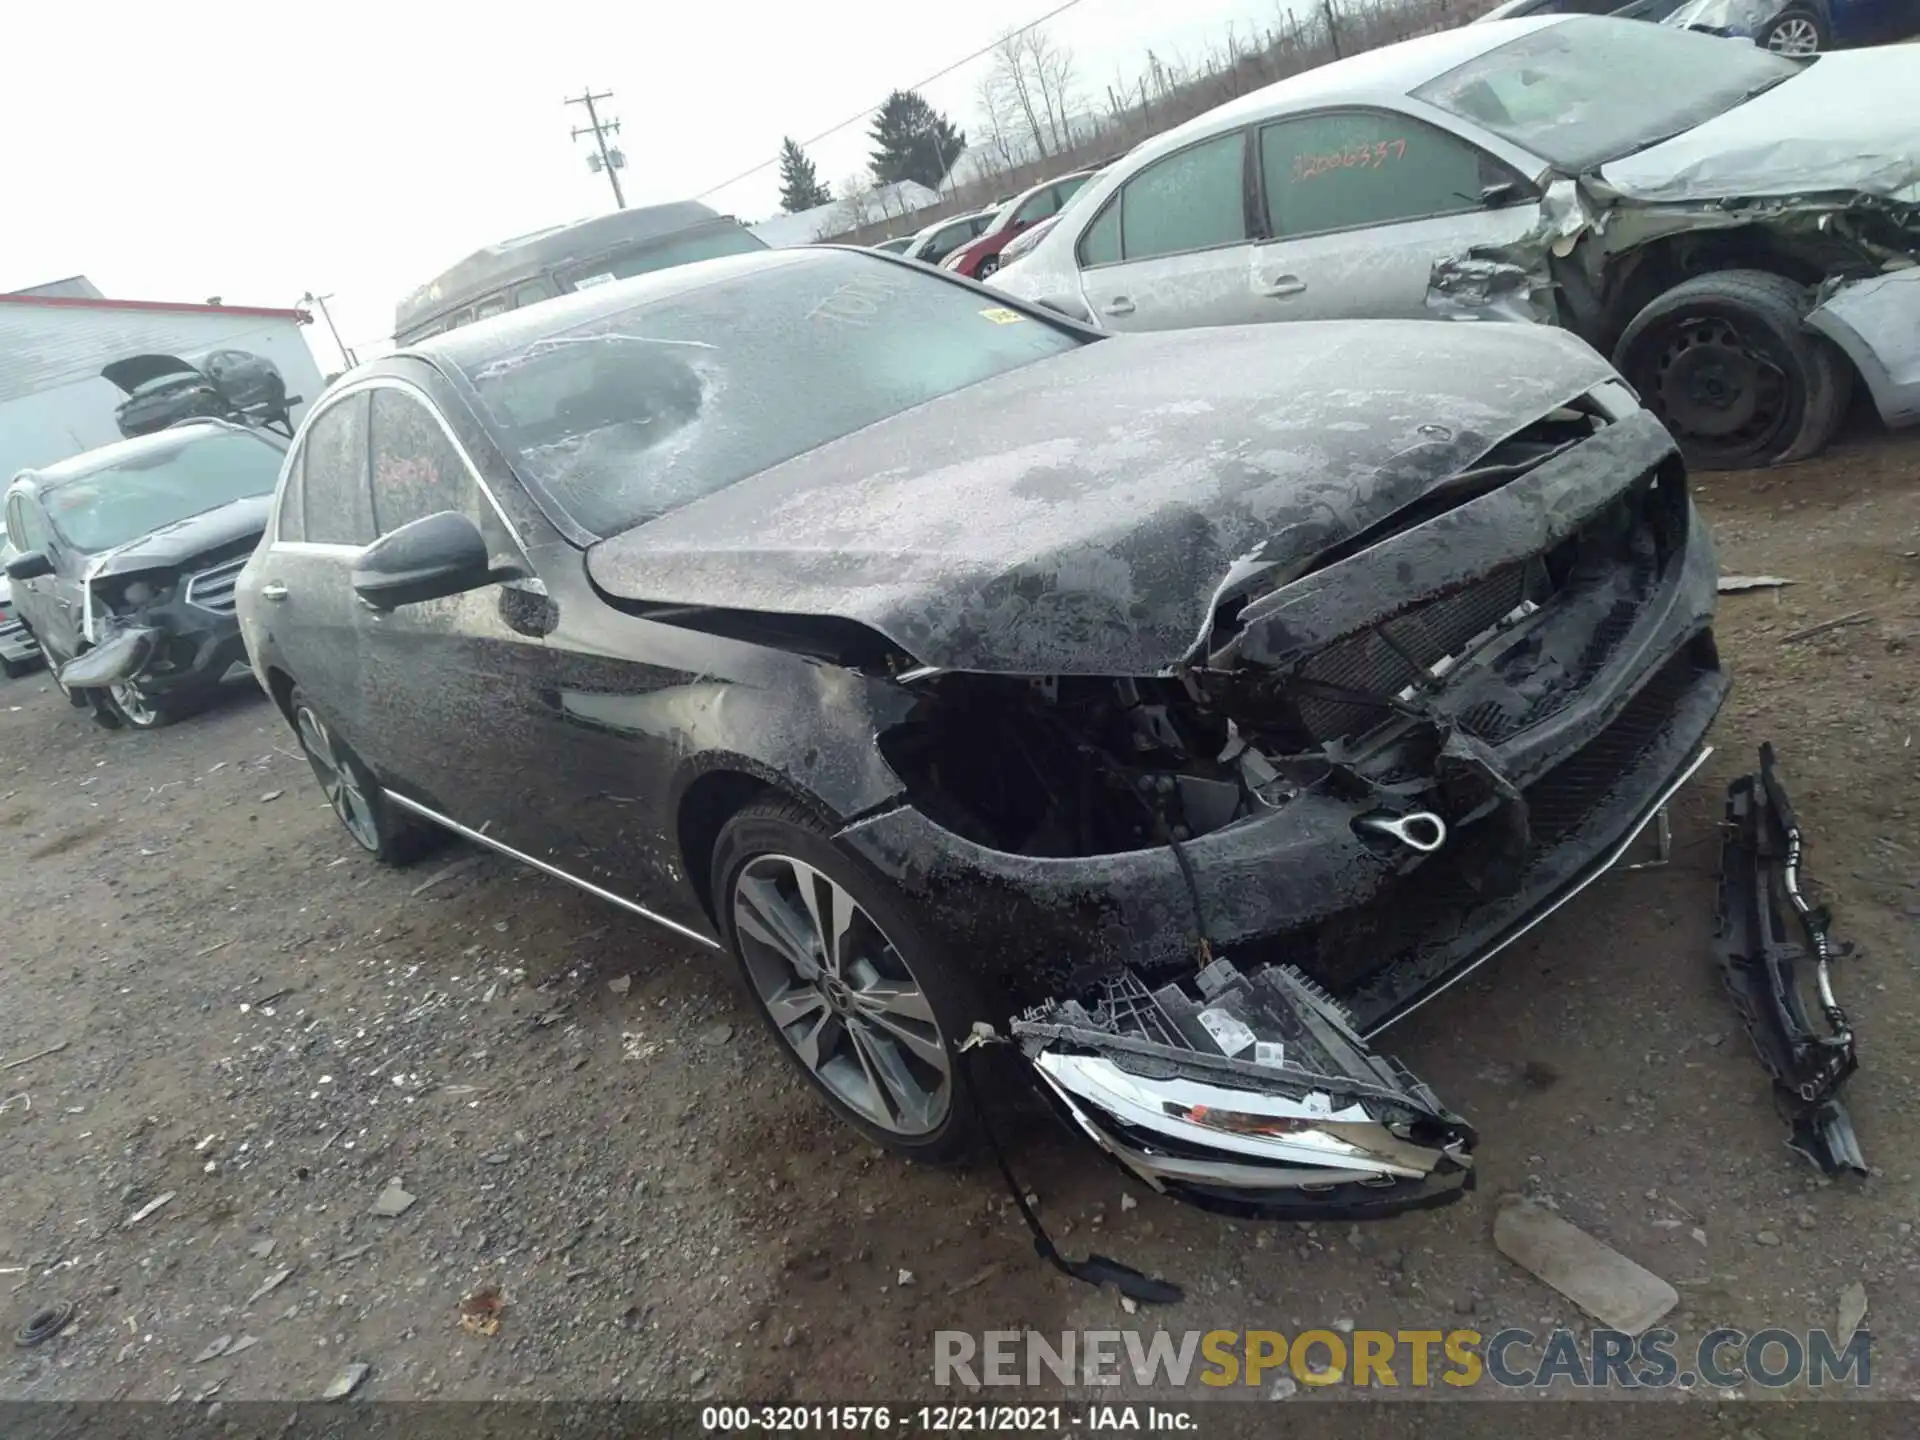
(800, 187)
(913, 141)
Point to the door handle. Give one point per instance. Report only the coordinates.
(273, 590)
(1118, 305)
(1282, 286)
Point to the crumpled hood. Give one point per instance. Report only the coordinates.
(184, 541)
(1078, 516)
(1846, 122)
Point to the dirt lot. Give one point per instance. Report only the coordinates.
(267, 1028)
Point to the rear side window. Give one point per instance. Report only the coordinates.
(335, 500)
(293, 515)
(1193, 200)
(1358, 168)
(416, 470)
(532, 293)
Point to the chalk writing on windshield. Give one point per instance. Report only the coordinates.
(857, 301)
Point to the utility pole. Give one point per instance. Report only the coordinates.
(609, 157)
(320, 303)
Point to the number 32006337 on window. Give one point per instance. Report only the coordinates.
(1355, 157)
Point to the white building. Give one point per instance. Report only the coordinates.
(54, 401)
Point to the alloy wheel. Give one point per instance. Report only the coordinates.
(139, 711)
(842, 995)
(1795, 36)
(339, 780)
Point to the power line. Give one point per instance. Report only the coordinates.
(855, 119)
(610, 160)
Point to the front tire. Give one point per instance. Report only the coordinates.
(856, 992)
(371, 821)
(1797, 30)
(1727, 363)
(988, 268)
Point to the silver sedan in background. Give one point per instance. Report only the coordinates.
(1737, 229)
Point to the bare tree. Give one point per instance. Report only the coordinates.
(997, 110)
(1052, 71)
(1017, 87)
(856, 205)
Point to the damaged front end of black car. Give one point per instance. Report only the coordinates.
(1242, 717)
(1374, 770)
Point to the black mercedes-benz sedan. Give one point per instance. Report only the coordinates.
(1180, 708)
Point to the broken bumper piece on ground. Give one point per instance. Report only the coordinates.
(1248, 1094)
(1762, 923)
(113, 662)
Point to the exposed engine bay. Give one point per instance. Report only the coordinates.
(1396, 713)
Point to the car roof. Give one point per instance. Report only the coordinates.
(174, 437)
(524, 256)
(1388, 73)
(938, 225)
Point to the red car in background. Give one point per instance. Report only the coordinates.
(980, 258)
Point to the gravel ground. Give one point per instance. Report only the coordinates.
(264, 1032)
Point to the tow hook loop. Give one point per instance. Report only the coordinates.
(1422, 830)
(1760, 903)
(1095, 1270)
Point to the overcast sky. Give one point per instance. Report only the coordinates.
(360, 148)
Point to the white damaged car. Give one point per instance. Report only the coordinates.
(1738, 229)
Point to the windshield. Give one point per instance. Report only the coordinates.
(1589, 90)
(662, 255)
(159, 486)
(628, 416)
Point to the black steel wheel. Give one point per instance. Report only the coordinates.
(1727, 363)
(856, 992)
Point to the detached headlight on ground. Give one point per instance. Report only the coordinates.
(1253, 1095)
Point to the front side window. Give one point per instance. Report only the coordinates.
(416, 469)
(1353, 168)
(1192, 200)
(1037, 207)
(1590, 89)
(531, 293)
(24, 531)
(629, 415)
(333, 468)
(192, 472)
(491, 306)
